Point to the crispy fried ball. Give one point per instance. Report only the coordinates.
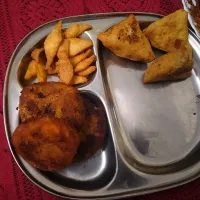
(53, 99)
(46, 143)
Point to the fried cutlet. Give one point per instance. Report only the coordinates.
(126, 40)
(53, 99)
(93, 130)
(46, 143)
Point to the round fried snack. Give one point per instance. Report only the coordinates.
(46, 143)
(54, 99)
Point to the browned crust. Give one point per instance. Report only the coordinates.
(53, 99)
(46, 143)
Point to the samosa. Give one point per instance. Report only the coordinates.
(169, 33)
(126, 40)
(171, 66)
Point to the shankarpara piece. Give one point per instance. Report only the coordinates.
(76, 29)
(52, 43)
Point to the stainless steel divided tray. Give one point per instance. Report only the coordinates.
(153, 134)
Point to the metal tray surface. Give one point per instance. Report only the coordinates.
(153, 134)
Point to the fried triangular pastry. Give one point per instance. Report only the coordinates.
(169, 33)
(126, 40)
(171, 66)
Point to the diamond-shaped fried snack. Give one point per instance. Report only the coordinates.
(78, 80)
(126, 40)
(171, 66)
(169, 33)
(41, 72)
(78, 58)
(63, 51)
(52, 43)
(64, 66)
(31, 70)
(87, 71)
(77, 45)
(76, 29)
(84, 64)
(65, 71)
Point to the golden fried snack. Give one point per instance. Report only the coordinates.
(52, 43)
(41, 73)
(35, 54)
(126, 40)
(31, 70)
(46, 143)
(84, 64)
(54, 99)
(170, 66)
(65, 71)
(63, 51)
(169, 33)
(78, 80)
(64, 66)
(78, 58)
(77, 45)
(87, 71)
(76, 29)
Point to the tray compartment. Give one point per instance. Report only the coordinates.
(158, 123)
(93, 173)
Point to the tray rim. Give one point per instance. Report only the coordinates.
(5, 116)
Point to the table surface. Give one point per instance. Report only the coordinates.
(19, 17)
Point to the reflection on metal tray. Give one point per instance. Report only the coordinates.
(193, 9)
(153, 136)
